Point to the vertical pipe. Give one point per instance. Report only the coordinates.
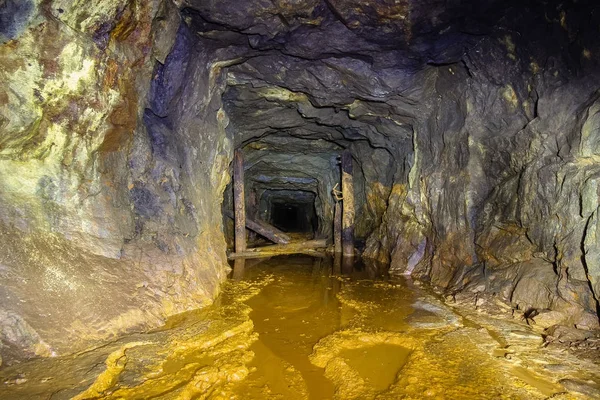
(239, 205)
(337, 228)
(348, 203)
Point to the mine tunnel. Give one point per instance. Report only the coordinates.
(307, 199)
(292, 161)
(290, 210)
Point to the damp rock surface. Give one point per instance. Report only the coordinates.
(106, 225)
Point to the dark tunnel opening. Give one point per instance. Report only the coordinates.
(290, 217)
(292, 211)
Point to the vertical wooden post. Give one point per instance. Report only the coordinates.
(252, 205)
(337, 264)
(238, 268)
(239, 205)
(337, 228)
(348, 203)
(347, 264)
(251, 213)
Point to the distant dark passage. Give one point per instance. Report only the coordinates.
(290, 210)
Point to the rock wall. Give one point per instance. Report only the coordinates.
(112, 152)
(503, 198)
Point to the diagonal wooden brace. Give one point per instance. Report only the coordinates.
(264, 229)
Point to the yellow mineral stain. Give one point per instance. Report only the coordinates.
(535, 68)
(563, 20)
(509, 94)
(282, 94)
(547, 388)
(115, 363)
(296, 328)
(378, 364)
(510, 46)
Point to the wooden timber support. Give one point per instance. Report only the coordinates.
(239, 203)
(251, 212)
(337, 228)
(239, 266)
(303, 247)
(348, 205)
(337, 264)
(264, 229)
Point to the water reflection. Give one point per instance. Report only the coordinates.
(297, 327)
(352, 267)
(239, 267)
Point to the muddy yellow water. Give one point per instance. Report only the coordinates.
(304, 328)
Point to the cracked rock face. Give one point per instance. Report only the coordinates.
(109, 220)
(474, 133)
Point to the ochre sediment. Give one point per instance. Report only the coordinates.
(266, 337)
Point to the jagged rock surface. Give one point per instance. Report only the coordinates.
(109, 201)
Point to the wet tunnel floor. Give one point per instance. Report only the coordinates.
(287, 328)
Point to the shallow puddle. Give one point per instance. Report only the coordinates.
(306, 328)
(378, 365)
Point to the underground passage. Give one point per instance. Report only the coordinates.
(303, 199)
(291, 211)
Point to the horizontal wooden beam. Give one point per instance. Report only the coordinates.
(268, 254)
(309, 247)
(264, 229)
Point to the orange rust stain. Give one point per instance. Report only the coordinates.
(123, 118)
(126, 25)
(132, 30)
(110, 77)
